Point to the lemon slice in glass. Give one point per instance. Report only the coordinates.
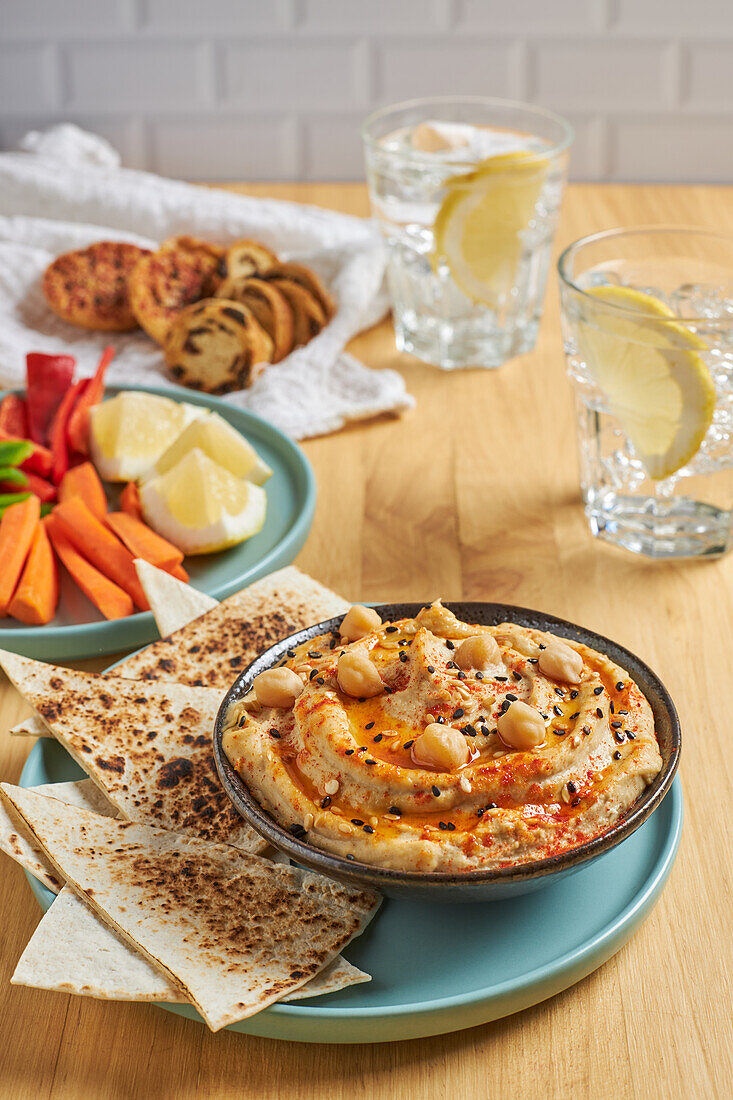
(222, 443)
(201, 507)
(477, 228)
(648, 365)
(130, 431)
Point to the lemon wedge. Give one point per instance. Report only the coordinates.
(222, 443)
(130, 431)
(477, 228)
(201, 507)
(648, 365)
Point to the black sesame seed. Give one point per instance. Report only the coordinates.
(458, 712)
(403, 657)
(332, 645)
(320, 681)
(571, 787)
(363, 700)
(242, 721)
(599, 712)
(275, 734)
(586, 731)
(446, 826)
(297, 830)
(504, 707)
(371, 763)
(545, 716)
(490, 806)
(451, 664)
(630, 736)
(357, 821)
(431, 669)
(461, 675)
(480, 811)
(469, 730)
(440, 720)
(616, 725)
(450, 645)
(479, 675)
(349, 856)
(620, 686)
(574, 716)
(598, 690)
(531, 660)
(395, 810)
(559, 691)
(291, 653)
(618, 737)
(510, 697)
(408, 744)
(314, 654)
(369, 725)
(312, 674)
(349, 752)
(325, 801)
(377, 738)
(501, 679)
(611, 707)
(517, 676)
(573, 695)
(362, 748)
(575, 802)
(623, 712)
(403, 641)
(541, 645)
(617, 755)
(390, 629)
(560, 732)
(435, 790)
(368, 829)
(556, 710)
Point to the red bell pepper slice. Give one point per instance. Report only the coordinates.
(77, 433)
(59, 427)
(38, 462)
(14, 416)
(48, 378)
(44, 490)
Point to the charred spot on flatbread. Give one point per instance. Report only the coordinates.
(183, 271)
(90, 286)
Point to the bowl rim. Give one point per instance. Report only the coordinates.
(384, 877)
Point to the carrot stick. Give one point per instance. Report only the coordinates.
(178, 572)
(96, 543)
(143, 542)
(77, 432)
(37, 595)
(130, 500)
(83, 482)
(17, 529)
(106, 596)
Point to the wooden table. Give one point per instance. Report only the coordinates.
(475, 495)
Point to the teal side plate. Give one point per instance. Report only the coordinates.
(441, 968)
(79, 631)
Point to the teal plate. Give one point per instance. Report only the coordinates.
(440, 968)
(79, 630)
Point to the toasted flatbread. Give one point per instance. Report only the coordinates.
(89, 287)
(147, 746)
(306, 278)
(269, 305)
(73, 951)
(217, 346)
(21, 846)
(173, 603)
(245, 258)
(182, 271)
(232, 930)
(30, 727)
(216, 647)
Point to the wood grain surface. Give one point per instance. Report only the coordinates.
(473, 495)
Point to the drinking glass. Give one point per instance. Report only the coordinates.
(648, 328)
(467, 193)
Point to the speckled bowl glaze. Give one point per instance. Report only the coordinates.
(473, 886)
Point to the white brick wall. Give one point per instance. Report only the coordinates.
(275, 89)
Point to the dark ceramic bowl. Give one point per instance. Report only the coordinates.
(471, 885)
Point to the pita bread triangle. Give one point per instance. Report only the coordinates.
(173, 603)
(146, 745)
(73, 951)
(233, 931)
(213, 649)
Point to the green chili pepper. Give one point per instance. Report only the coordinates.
(7, 499)
(15, 477)
(14, 451)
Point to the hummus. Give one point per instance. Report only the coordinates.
(435, 772)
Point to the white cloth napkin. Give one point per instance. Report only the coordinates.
(66, 189)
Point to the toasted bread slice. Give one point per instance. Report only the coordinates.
(245, 258)
(89, 287)
(217, 346)
(183, 270)
(306, 278)
(308, 315)
(270, 307)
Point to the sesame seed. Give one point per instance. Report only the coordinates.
(458, 712)
(451, 664)
(571, 787)
(564, 795)
(541, 646)
(440, 720)
(586, 731)
(573, 695)
(331, 787)
(461, 675)
(504, 707)
(611, 707)
(559, 732)
(479, 675)
(308, 821)
(349, 856)
(575, 802)
(431, 669)
(490, 806)
(543, 715)
(599, 712)
(408, 744)
(517, 675)
(559, 691)
(291, 653)
(275, 734)
(501, 679)
(531, 660)
(574, 716)
(320, 680)
(446, 826)
(357, 821)
(369, 725)
(556, 710)
(403, 657)
(326, 802)
(616, 725)
(630, 736)
(620, 686)
(404, 641)
(390, 629)
(618, 737)
(469, 730)
(362, 748)
(349, 752)
(395, 810)
(617, 755)
(370, 763)
(598, 690)
(512, 698)
(312, 674)
(436, 791)
(392, 817)
(368, 829)
(450, 645)
(344, 828)
(314, 654)
(623, 712)
(464, 784)
(296, 829)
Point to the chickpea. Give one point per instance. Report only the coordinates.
(521, 727)
(480, 651)
(441, 747)
(277, 687)
(357, 676)
(358, 622)
(560, 662)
